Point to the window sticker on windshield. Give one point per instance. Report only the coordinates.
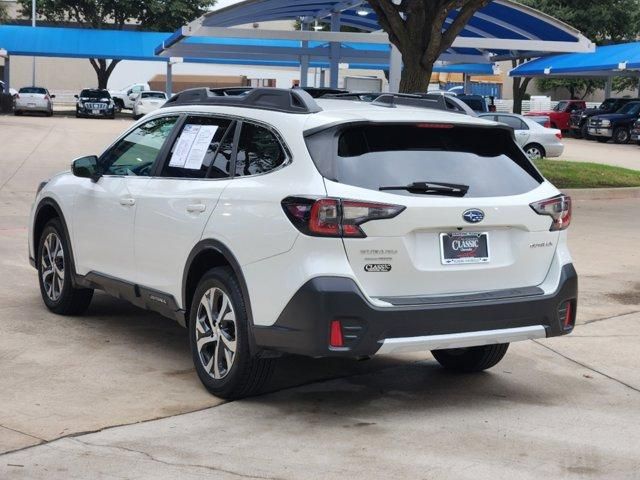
(192, 146)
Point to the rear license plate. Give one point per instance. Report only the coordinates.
(96, 112)
(464, 247)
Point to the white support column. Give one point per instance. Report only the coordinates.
(395, 69)
(7, 74)
(608, 87)
(334, 48)
(467, 83)
(304, 59)
(169, 82)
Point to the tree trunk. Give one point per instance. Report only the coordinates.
(519, 88)
(415, 78)
(103, 70)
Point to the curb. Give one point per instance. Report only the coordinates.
(602, 193)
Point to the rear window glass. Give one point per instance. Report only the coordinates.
(95, 94)
(41, 91)
(153, 95)
(381, 155)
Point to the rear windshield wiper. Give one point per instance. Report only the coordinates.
(432, 188)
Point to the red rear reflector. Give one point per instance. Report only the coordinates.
(335, 336)
(559, 135)
(567, 317)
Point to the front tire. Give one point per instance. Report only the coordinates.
(219, 338)
(54, 273)
(621, 135)
(472, 359)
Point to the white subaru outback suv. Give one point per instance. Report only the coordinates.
(270, 223)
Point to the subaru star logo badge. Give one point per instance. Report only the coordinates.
(473, 215)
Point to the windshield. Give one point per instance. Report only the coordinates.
(153, 95)
(95, 94)
(560, 107)
(630, 108)
(487, 160)
(38, 90)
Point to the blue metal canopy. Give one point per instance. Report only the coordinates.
(136, 45)
(606, 61)
(503, 28)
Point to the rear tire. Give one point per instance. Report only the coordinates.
(602, 139)
(17, 113)
(54, 273)
(534, 151)
(219, 338)
(472, 359)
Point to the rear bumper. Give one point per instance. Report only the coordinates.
(304, 325)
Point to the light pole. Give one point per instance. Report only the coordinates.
(33, 24)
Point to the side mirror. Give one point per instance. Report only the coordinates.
(132, 97)
(52, 96)
(76, 96)
(86, 167)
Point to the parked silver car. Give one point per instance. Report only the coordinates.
(33, 99)
(537, 141)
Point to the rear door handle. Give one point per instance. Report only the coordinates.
(128, 201)
(196, 207)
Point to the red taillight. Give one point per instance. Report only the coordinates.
(335, 217)
(335, 334)
(547, 124)
(559, 135)
(46, 97)
(558, 208)
(17, 95)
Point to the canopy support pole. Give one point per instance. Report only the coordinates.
(395, 69)
(608, 87)
(334, 50)
(6, 74)
(467, 83)
(304, 60)
(169, 82)
(638, 85)
(322, 78)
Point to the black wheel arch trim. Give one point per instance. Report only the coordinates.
(50, 202)
(222, 249)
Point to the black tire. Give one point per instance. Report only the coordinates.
(602, 139)
(247, 375)
(472, 359)
(70, 300)
(576, 133)
(585, 131)
(17, 113)
(531, 150)
(621, 135)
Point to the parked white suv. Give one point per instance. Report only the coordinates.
(270, 223)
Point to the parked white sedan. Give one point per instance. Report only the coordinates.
(147, 102)
(33, 99)
(537, 141)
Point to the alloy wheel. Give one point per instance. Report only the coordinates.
(52, 266)
(216, 333)
(534, 153)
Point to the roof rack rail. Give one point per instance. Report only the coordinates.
(436, 101)
(275, 99)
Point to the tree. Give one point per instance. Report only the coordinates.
(418, 29)
(4, 16)
(613, 21)
(158, 15)
(520, 85)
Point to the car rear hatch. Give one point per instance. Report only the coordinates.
(444, 241)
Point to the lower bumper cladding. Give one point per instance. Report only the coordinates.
(307, 325)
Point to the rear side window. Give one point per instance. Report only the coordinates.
(381, 155)
(513, 122)
(259, 151)
(159, 95)
(193, 154)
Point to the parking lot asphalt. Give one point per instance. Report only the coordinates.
(564, 407)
